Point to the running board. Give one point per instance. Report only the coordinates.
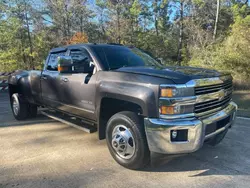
(70, 120)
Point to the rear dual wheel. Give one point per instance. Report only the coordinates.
(126, 140)
(22, 109)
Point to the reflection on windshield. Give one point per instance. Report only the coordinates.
(121, 56)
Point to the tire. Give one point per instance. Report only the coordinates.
(19, 107)
(217, 139)
(126, 140)
(32, 110)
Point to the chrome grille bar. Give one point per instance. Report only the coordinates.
(205, 107)
(213, 88)
(215, 104)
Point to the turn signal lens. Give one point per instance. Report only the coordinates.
(168, 92)
(61, 68)
(166, 110)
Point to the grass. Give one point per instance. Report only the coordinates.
(242, 99)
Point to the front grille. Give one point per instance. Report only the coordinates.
(213, 88)
(213, 104)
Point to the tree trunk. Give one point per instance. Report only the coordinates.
(81, 24)
(132, 30)
(156, 26)
(67, 20)
(29, 37)
(179, 54)
(216, 19)
(118, 25)
(156, 18)
(22, 49)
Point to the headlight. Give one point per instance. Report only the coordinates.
(180, 91)
(176, 109)
(173, 99)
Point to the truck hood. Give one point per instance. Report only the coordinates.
(179, 75)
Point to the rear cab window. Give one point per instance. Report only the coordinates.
(81, 59)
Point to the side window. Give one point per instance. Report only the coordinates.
(81, 59)
(53, 61)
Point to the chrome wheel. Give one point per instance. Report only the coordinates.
(15, 106)
(123, 142)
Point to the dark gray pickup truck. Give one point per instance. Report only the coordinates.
(134, 101)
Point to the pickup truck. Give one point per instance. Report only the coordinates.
(135, 102)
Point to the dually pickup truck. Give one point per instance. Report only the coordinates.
(135, 102)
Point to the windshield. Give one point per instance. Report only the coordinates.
(115, 57)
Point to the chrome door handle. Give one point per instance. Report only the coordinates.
(65, 79)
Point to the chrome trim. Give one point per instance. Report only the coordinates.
(178, 100)
(206, 113)
(173, 86)
(208, 81)
(158, 131)
(214, 105)
(177, 116)
(199, 82)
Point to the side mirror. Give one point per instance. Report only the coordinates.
(65, 64)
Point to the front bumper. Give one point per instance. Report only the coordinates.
(158, 131)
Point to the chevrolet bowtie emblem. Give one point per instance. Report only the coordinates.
(221, 94)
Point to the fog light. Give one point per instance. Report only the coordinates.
(179, 135)
(174, 134)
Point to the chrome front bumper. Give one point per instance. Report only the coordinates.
(158, 131)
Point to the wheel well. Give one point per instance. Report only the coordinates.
(109, 107)
(13, 89)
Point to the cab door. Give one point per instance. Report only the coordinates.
(51, 83)
(80, 86)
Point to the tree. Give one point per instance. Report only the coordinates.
(183, 32)
(180, 44)
(217, 18)
(78, 38)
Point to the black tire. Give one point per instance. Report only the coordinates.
(32, 110)
(141, 155)
(23, 108)
(217, 139)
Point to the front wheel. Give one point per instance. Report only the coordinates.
(126, 140)
(19, 107)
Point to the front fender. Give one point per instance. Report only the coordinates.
(14, 78)
(19, 82)
(144, 95)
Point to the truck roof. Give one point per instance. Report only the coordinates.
(64, 48)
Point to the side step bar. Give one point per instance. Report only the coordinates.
(70, 120)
